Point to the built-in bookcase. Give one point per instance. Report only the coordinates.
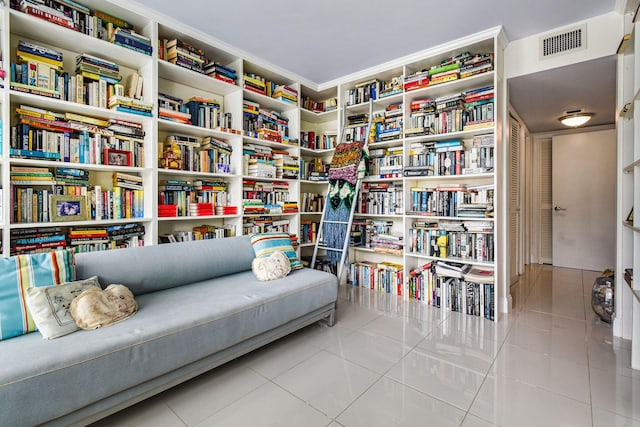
(627, 292)
(209, 156)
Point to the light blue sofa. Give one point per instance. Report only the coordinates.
(199, 307)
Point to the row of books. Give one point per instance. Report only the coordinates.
(308, 231)
(440, 158)
(313, 141)
(363, 230)
(267, 162)
(187, 153)
(74, 203)
(267, 197)
(387, 277)
(198, 198)
(71, 137)
(380, 198)
(385, 162)
(258, 84)
(316, 169)
(474, 243)
(452, 200)
(97, 81)
(329, 104)
(263, 123)
(81, 239)
(312, 202)
(450, 69)
(265, 224)
(94, 23)
(183, 54)
(387, 126)
(457, 287)
(197, 111)
(199, 232)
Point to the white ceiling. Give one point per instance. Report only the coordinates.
(322, 40)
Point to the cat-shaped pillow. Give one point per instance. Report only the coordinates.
(96, 308)
(273, 267)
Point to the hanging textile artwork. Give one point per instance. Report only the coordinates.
(346, 166)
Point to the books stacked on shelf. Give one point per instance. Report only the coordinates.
(285, 93)
(207, 113)
(441, 200)
(31, 175)
(391, 87)
(221, 72)
(266, 124)
(387, 277)
(258, 161)
(308, 231)
(37, 70)
(169, 210)
(200, 209)
(262, 224)
(363, 92)
(69, 137)
(380, 198)
(77, 17)
(312, 202)
(466, 241)
(479, 108)
(316, 170)
(421, 117)
(71, 176)
(388, 243)
(329, 104)
(356, 128)
(361, 233)
(288, 207)
(456, 287)
(444, 73)
(265, 197)
(183, 54)
(175, 192)
(421, 159)
(215, 156)
(215, 195)
(173, 109)
(313, 141)
(476, 64)
(480, 157)
(388, 125)
(199, 232)
(385, 162)
(417, 80)
(36, 240)
(254, 83)
(287, 165)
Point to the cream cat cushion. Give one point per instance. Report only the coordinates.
(273, 267)
(96, 308)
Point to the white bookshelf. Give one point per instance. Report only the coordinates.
(160, 76)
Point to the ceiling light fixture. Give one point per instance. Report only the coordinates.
(575, 118)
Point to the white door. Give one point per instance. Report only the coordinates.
(584, 200)
(515, 223)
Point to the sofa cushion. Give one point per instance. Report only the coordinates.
(264, 244)
(275, 266)
(20, 272)
(146, 269)
(172, 328)
(98, 308)
(49, 306)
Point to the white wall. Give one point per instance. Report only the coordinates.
(604, 33)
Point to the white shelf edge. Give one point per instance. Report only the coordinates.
(455, 260)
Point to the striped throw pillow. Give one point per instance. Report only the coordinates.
(265, 244)
(20, 272)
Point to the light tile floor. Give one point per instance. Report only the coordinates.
(390, 362)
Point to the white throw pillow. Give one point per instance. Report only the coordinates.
(273, 267)
(96, 308)
(50, 306)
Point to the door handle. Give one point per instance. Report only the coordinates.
(558, 208)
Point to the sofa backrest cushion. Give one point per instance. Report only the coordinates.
(20, 272)
(151, 268)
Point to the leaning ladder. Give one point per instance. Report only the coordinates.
(344, 250)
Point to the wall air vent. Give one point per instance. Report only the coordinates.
(562, 42)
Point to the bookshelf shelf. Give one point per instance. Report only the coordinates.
(178, 74)
(163, 77)
(25, 26)
(315, 117)
(73, 107)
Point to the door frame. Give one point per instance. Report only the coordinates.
(534, 201)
